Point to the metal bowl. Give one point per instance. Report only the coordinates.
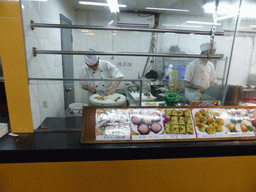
(133, 88)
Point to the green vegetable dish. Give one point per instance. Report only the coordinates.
(178, 122)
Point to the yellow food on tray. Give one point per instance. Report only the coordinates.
(150, 104)
(209, 121)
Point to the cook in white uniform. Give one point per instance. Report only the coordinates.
(99, 69)
(200, 74)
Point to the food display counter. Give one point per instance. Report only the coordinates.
(165, 124)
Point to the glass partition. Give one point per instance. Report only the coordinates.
(153, 44)
(57, 105)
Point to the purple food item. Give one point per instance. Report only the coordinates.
(143, 129)
(156, 127)
(136, 120)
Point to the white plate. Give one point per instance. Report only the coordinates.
(238, 114)
(108, 100)
(117, 121)
(136, 112)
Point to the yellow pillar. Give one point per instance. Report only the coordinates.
(14, 67)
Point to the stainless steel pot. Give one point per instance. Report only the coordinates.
(133, 88)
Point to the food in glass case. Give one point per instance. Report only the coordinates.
(209, 122)
(112, 124)
(178, 124)
(252, 116)
(146, 124)
(238, 122)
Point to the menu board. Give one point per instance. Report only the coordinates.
(178, 124)
(112, 124)
(173, 123)
(146, 124)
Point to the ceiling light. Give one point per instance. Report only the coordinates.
(247, 9)
(92, 3)
(111, 22)
(113, 6)
(167, 9)
(98, 4)
(203, 23)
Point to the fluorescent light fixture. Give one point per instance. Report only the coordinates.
(112, 21)
(98, 4)
(167, 9)
(203, 23)
(92, 3)
(247, 9)
(113, 6)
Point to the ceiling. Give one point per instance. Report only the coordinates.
(195, 6)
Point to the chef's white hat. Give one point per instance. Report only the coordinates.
(91, 59)
(206, 46)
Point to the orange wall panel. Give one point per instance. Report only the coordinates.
(14, 67)
(165, 175)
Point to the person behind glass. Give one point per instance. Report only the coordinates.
(200, 74)
(95, 68)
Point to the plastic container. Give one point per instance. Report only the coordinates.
(175, 99)
(77, 106)
(3, 129)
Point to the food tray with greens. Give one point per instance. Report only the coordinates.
(238, 123)
(112, 124)
(178, 124)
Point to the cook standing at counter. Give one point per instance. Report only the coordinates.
(200, 74)
(95, 68)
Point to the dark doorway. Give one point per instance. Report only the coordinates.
(67, 61)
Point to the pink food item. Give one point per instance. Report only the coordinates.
(143, 129)
(156, 127)
(144, 112)
(136, 120)
(147, 120)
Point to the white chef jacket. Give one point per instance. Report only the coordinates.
(105, 70)
(199, 74)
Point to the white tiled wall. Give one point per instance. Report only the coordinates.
(44, 66)
(50, 66)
